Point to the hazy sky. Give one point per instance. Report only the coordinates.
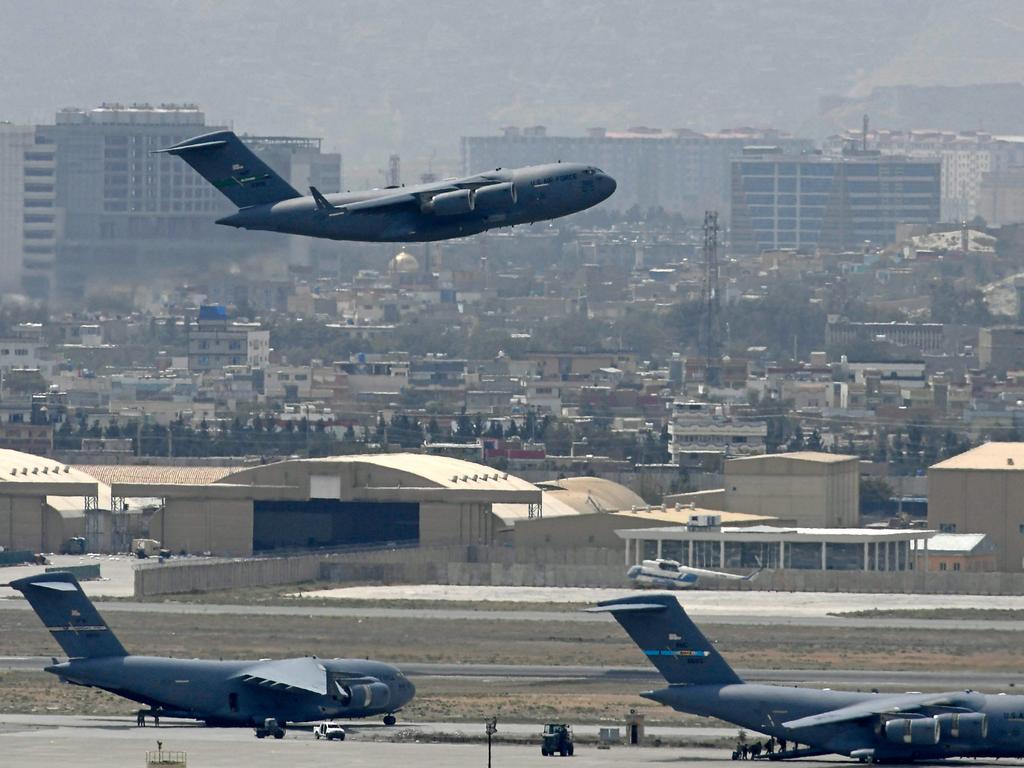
(376, 77)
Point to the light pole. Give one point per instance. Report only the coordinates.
(492, 728)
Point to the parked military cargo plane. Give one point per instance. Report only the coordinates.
(454, 207)
(871, 727)
(222, 693)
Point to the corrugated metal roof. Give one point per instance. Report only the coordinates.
(962, 543)
(441, 471)
(816, 456)
(19, 467)
(592, 494)
(682, 516)
(1007, 457)
(157, 474)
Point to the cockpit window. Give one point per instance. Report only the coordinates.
(589, 171)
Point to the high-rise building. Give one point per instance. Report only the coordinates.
(131, 213)
(29, 219)
(301, 162)
(966, 157)
(125, 208)
(679, 170)
(835, 203)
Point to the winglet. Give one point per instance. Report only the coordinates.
(322, 203)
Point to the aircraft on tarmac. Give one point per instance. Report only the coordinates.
(871, 727)
(221, 693)
(669, 574)
(440, 210)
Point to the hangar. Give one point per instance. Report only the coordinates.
(400, 498)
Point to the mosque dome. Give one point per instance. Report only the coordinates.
(404, 263)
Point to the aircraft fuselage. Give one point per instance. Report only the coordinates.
(538, 193)
(219, 692)
(764, 708)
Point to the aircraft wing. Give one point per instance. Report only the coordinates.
(306, 674)
(403, 196)
(375, 204)
(876, 705)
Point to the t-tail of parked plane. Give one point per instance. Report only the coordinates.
(230, 693)
(875, 727)
(224, 161)
(670, 639)
(72, 619)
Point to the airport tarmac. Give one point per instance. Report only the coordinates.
(116, 572)
(95, 742)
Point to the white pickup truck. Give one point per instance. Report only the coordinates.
(329, 730)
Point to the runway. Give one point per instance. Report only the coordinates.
(739, 617)
(644, 678)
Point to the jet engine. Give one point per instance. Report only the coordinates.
(964, 726)
(918, 730)
(451, 203)
(496, 197)
(365, 695)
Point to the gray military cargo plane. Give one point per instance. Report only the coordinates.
(871, 727)
(221, 693)
(421, 213)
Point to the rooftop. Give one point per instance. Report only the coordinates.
(990, 456)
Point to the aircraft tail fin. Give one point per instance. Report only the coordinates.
(223, 160)
(58, 599)
(670, 639)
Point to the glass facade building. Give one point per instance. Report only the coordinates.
(836, 203)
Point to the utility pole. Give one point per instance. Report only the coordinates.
(492, 728)
(712, 330)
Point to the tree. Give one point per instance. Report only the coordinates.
(814, 441)
(796, 442)
(875, 493)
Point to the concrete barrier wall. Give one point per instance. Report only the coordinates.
(182, 576)
(541, 567)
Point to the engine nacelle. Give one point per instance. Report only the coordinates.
(451, 203)
(964, 726)
(496, 197)
(918, 730)
(366, 695)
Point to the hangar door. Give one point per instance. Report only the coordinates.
(332, 523)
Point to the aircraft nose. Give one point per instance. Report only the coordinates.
(606, 184)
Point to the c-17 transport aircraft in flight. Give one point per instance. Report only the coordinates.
(871, 727)
(222, 693)
(440, 210)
